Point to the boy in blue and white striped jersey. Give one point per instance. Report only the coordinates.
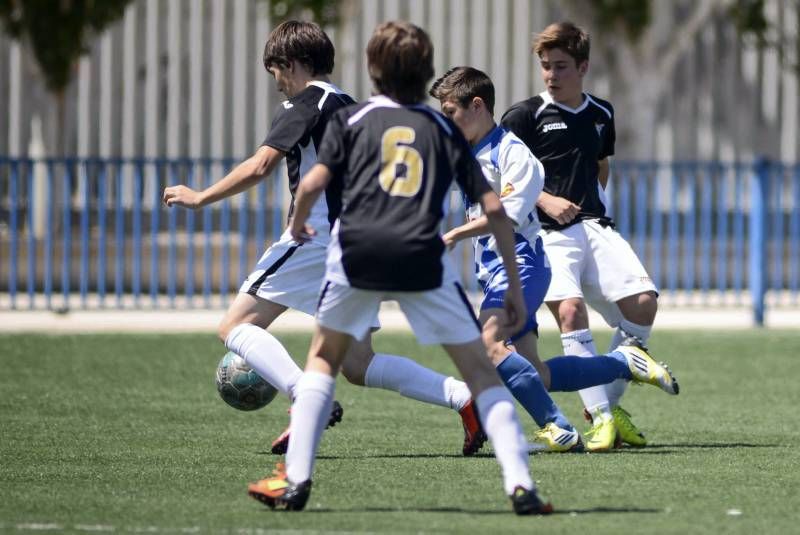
(467, 97)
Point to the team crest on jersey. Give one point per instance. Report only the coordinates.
(554, 126)
(508, 189)
(599, 128)
(287, 104)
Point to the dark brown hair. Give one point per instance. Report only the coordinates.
(400, 61)
(566, 36)
(462, 84)
(304, 42)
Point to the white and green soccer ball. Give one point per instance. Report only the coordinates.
(240, 386)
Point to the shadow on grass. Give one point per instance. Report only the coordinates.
(459, 510)
(713, 445)
(652, 449)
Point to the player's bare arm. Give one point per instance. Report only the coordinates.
(244, 176)
(477, 227)
(602, 172)
(503, 231)
(310, 188)
(559, 208)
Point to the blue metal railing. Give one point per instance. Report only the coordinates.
(91, 232)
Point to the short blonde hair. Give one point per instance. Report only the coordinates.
(566, 36)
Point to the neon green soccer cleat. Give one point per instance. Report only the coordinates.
(603, 433)
(552, 438)
(645, 369)
(627, 430)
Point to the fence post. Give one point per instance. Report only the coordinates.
(758, 237)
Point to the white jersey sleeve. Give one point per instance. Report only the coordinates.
(521, 180)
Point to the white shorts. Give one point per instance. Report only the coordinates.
(289, 274)
(596, 264)
(440, 316)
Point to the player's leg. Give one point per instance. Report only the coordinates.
(556, 433)
(518, 374)
(567, 251)
(287, 275)
(291, 488)
(576, 339)
(400, 374)
(243, 331)
(627, 300)
(445, 316)
(638, 314)
(343, 313)
(496, 408)
(408, 378)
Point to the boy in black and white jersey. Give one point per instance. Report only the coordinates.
(397, 159)
(300, 57)
(572, 133)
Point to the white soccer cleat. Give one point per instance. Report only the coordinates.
(646, 370)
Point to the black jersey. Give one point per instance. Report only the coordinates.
(569, 142)
(297, 130)
(397, 164)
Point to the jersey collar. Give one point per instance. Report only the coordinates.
(548, 99)
(492, 138)
(326, 86)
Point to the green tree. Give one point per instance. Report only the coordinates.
(58, 32)
(324, 12)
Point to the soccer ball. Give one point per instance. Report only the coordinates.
(240, 386)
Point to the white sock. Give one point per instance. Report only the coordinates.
(310, 412)
(496, 409)
(265, 354)
(616, 389)
(581, 343)
(412, 380)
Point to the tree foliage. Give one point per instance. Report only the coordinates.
(58, 32)
(634, 16)
(323, 12)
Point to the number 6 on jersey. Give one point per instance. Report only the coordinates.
(401, 164)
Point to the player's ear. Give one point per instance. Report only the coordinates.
(583, 67)
(476, 103)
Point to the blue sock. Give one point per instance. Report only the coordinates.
(570, 374)
(524, 382)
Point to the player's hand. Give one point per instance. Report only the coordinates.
(449, 240)
(516, 312)
(182, 196)
(560, 209)
(301, 232)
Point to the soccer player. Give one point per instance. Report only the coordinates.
(300, 57)
(395, 160)
(467, 97)
(572, 133)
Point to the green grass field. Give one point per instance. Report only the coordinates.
(126, 433)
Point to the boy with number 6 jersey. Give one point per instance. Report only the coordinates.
(395, 160)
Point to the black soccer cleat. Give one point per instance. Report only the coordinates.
(527, 502)
(281, 444)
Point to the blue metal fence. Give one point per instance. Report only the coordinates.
(87, 233)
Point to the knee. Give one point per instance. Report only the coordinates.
(354, 367)
(644, 313)
(497, 352)
(572, 315)
(224, 329)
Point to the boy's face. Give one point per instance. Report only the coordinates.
(283, 78)
(466, 118)
(562, 77)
